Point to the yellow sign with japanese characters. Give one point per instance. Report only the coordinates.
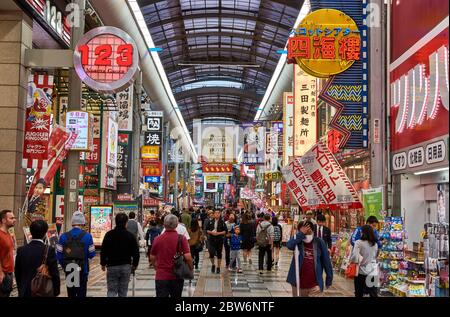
(327, 42)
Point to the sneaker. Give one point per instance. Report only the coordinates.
(261, 272)
(218, 270)
(213, 269)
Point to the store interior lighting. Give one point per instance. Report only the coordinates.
(136, 10)
(306, 8)
(432, 171)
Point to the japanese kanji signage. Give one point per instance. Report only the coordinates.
(277, 127)
(151, 168)
(153, 138)
(327, 42)
(317, 178)
(305, 111)
(154, 124)
(111, 139)
(93, 157)
(150, 153)
(288, 125)
(217, 168)
(123, 172)
(80, 122)
(37, 123)
(106, 59)
(125, 105)
(254, 141)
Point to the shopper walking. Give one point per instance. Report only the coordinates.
(277, 239)
(134, 227)
(216, 231)
(162, 256)
(264, 240)
(120, 256)
(365, 254)
(31, 256)
(186, 218)
(152, 232)
(195, 242)
(7, 221)
(371, 221)
(235, 245)
(313, 259)
(230, 223)
(248, 233)
(323, 232)
(73, 252)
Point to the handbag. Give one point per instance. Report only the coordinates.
(351, 271)
(42, 284)
(180, 268)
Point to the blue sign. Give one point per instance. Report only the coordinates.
(153, 179)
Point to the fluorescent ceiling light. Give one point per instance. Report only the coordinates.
(432, 171)
(282, 62)
(136, 10)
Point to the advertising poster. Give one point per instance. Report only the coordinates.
(100, 222)
(254, 135)
(125, 105)
(288, 126)
(124, 207)
(79, 122)
(373, 202)
(112, 142)
(37, 123)
(442, 204)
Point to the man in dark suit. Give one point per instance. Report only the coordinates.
(322, 231)
(29, 258)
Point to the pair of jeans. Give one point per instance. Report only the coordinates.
(235, 257)
(117, 278)
(195, 255)
(169, 288)
(262, 252)
(80, 290)
(361, 287)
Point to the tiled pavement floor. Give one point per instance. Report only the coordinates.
(227, 284)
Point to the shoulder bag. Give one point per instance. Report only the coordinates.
(42, 284)
(180, 268)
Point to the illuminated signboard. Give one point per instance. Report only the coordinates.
(150, 153)
(327, 42)
(79, 122)
(106, 59)
(288, 125)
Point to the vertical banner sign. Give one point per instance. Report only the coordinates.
(331, 42)
(37, 124)
(125, 104)
(271, 152)
(328, 178)
(277, 127)
(113, 134)
(79, 122)
(288, 126)
(305, 113)
(254, 141)
(373, 202)
(63, 106)
(124, 159)
(93, 157)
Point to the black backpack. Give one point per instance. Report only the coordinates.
(73, 250)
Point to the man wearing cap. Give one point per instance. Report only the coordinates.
(67, 254)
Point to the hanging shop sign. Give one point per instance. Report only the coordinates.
(151, 202)
(339, 38)
(253, 141)
(216, 143)
(125, 104)
(305, 113)
(123, 171)
(37, 123)
(93, 157)
(154, 124)
(81, 123)
(216, 178)
(271, 143)
(217, 168)
(288, 125)
(153, 138)
(152, 179)
(47, 14)
(277, 127)
(419, 68)
(101, 222)
(124, 197)
(210, 187)
(327, 42)
(124, 207)
(277, 176)
(63, 106)
(328, 178)
(373, 202)
(106, 59)
(247, 193)
(108, 178)
(150, 153)
(151, 168)
(110, 138)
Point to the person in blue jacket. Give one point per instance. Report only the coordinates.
(313, 259)
(357, 234)
(72, 238)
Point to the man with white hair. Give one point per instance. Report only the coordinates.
(164, 248)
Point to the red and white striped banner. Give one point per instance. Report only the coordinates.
(38, 120)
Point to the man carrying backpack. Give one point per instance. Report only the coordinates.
(73, 252)
(264, 240)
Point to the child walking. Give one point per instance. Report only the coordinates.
(235, 249)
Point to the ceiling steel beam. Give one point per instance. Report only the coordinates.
(218, 91)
